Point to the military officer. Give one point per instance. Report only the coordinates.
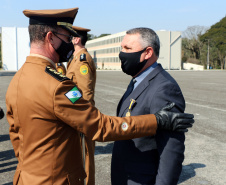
(81, 70)
(46, 110)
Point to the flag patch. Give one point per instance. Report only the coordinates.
(73, 95)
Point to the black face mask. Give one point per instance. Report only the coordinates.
(65, 51)
(130, 62)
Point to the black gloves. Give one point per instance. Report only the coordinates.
(1, 113)
(172, 120)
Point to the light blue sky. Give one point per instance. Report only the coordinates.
(113, 16)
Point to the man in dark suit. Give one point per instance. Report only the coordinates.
(153, 159)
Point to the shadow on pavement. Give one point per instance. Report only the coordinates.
(10, 183)
(8, 169)
(4, 137)
(104, 149)
(7, 166)
(7, 155)
(188, 171)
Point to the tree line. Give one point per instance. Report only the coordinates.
(205, 46)
(91, 36)
(200, 45)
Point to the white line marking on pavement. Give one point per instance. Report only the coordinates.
(205, 106)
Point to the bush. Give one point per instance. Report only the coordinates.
(184, 59)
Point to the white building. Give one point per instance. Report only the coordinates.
(15, 47)
(104, 50)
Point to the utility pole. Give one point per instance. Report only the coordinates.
(208, 57)
(224, 64)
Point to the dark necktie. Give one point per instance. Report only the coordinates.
(129, 89)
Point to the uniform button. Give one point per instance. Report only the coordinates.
(79, 179)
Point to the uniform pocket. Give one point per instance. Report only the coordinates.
(16, 177)
(76, 178)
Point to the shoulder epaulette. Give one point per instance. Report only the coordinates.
(56, 74)
(83, 57)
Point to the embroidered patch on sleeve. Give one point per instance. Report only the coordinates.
(73, 95)
(55, 74)
(83, 69)
(83, 57)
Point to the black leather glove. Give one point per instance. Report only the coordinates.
(1, 113)
(173, 121)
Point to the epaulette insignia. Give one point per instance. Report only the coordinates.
(83, 57)
(56, 74)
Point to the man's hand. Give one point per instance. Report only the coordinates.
(173, 121)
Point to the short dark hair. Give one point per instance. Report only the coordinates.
(38, 32)
(83, 36)
(148, 38)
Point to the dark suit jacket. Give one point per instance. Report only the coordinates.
(150, 160)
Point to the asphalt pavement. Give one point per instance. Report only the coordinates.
(205, 154)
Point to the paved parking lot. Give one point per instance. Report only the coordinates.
(205, 155)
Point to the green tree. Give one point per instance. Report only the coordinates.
(216, 36)
(191, 43)
(103, 35)
(91, 36)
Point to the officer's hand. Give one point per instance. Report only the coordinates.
(172, 120)
(1, 113)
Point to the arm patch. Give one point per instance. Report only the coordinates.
(73, 95)
(56, 74)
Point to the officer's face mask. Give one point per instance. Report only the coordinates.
(130, 62)
(65, 50)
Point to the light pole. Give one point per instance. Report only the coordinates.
(208, 57)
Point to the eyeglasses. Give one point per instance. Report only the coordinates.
(70, 37)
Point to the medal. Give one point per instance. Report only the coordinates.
(132, 101)
(128, 114)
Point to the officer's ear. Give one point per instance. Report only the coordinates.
(149, 52)
(76, 40)
(49, 37)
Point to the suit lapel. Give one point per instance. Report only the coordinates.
(138, 90)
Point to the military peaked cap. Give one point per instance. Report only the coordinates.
(80, 29)
(59, 17)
